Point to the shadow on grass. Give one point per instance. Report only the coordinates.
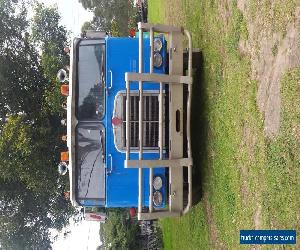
(199, 127)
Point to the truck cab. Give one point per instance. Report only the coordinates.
(128, 122)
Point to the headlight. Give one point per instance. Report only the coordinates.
(157, 198)
(157, 183)
(157, 45)
(157, 60)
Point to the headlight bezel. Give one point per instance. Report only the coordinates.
(157, 198)
(157, 182)
(157, 44)
(157, 60)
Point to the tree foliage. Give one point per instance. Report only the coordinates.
(51, 38)
(31, 192)
(19, 64)
(119, 232)
(110, 15)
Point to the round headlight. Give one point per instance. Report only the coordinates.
(157, 183)
(157, 198)
(157, 60)
(157, 45)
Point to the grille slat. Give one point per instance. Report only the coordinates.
(150, 121)
(148, 132)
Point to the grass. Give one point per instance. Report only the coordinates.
(192, 227)
(156, 8)
(273, 14)
(283, 175)
(247, 180)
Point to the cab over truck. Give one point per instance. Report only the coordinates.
(128, 121)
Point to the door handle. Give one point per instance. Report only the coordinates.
(108, 88)
(111, 167)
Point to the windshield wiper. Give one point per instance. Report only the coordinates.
(102, 145)
(102, 70)
(87, 190)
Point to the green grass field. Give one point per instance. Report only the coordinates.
(248, 181)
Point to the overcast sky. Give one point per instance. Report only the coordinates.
(86, 234)
(83, 236)
(72, 13)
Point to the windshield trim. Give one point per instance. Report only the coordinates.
(71, 115)
(88, 42)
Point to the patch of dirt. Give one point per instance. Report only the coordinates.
(212, 228)
(257, 218)
(272, 69)
(272, 54)
(249, 141)
(242, 5)
(248, 145)
(225, 13)
(244, 190)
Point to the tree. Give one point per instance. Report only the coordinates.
(29, 182)
(119, 231)
(21, 80)
(26, 216)
(51, 38)
(31, 192)
(110, 14)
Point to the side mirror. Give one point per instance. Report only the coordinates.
(62, 75)
(62, 168)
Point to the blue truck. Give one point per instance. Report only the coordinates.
(128, 121)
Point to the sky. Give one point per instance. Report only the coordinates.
(83, 236)
(72, 13)
(86, 234)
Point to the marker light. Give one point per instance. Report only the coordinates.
(132, 32)
(64, 156)
(67, 195)
(64, 89)
(67, 50)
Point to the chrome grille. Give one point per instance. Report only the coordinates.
(150, 121)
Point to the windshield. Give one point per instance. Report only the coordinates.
(91, 80)
(90, 169)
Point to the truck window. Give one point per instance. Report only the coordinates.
(90, 81)
(90, 176)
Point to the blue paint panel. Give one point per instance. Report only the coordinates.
(122, 184)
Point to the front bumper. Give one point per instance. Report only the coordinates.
(176, 161)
